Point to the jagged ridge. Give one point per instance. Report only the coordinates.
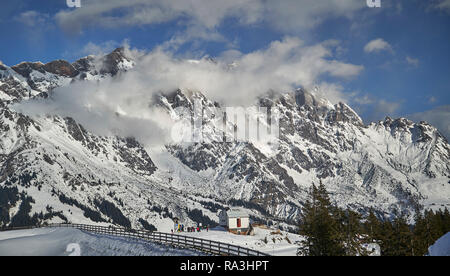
(392, 164)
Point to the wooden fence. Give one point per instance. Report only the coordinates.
(175, 240)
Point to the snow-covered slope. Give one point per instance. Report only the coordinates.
(52, 169)
(392, 164)
(63, 172)
(441, 247)
(270, 241)
(59, 242)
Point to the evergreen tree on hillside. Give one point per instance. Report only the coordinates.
(373, 227)
(319, 226)
(403, 237)
(442, 221)
(387, 238)
(446, 221)
(433, 227)
(351, 229)
(395, 237)
(331, 231)
(421, 237)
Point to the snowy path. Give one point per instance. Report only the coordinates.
(54, 242)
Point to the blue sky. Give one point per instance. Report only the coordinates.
(402, 47)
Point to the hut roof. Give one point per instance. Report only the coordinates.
(237, 213)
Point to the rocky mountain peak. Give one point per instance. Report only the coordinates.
(61, 68)
(57, 67)
(392, 164)
(344, 113)
(111, 62)
(311, 101)
(339, 112)
(25, 68)
(303, 97)
(84, 64)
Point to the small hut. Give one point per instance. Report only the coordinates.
(236, 220)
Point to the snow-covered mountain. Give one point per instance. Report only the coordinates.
(53, 169)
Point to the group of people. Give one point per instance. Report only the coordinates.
(180, 228)
(197, 229)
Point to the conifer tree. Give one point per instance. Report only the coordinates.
(319, 226)
(329, 230)
(386, 238)
(446, 221)
(403, 237)
(420, 242)
(373, 227)
(432, 227)
(352, 232)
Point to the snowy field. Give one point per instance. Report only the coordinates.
(441, 247)
(272, 242)
(55, 242)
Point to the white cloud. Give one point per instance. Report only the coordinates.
(95, 49)
(375, 109)
(439, 117)
(282, 66)
(35, 25)
(100, 49)
(32, 18)
(442, 5)
(117, 13)
(333, 92)
(377, 45)
(412, 61)
(287, 15)
(196, 34)
(292, 15)
(386, 108)
(362, 99)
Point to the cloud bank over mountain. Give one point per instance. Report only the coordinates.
(123, 105)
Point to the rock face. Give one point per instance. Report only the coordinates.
(61, 68)
(386, 165)
(62, 172)
(25, 68)
(112, 62)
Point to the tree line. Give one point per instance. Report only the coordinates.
(332, 231)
